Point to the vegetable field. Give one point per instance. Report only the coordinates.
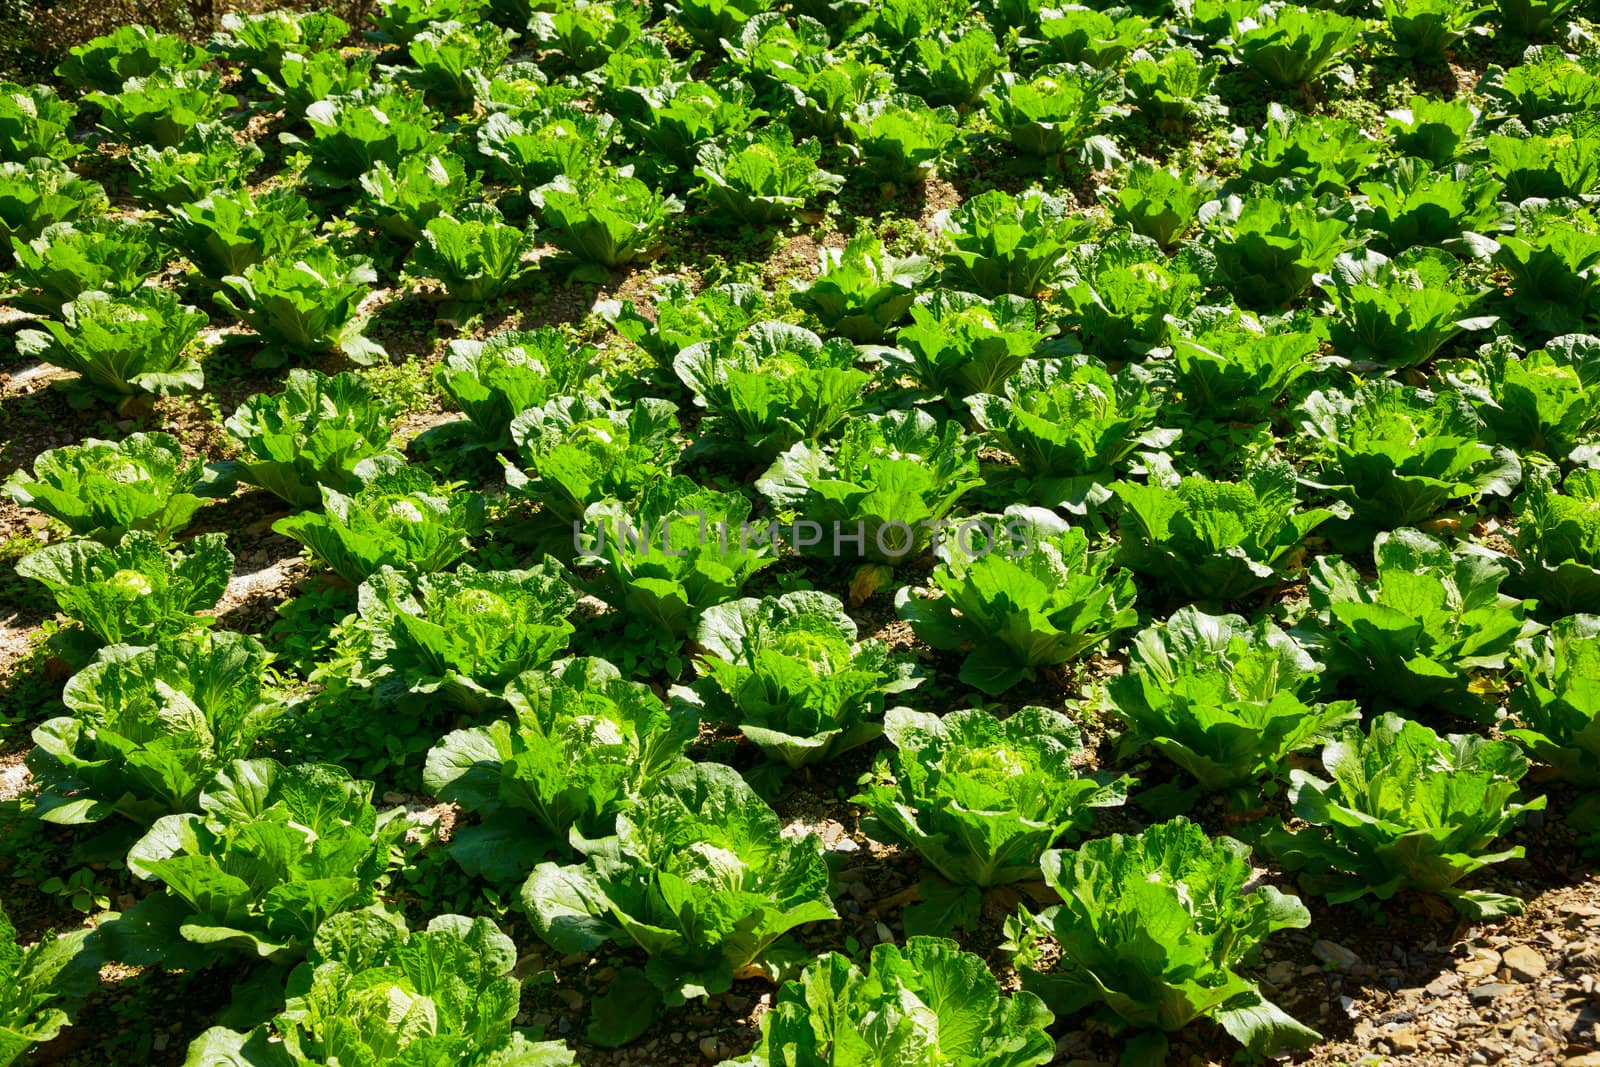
(786, 533)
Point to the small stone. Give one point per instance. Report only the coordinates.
(1490, 990)
(710, 1049)
(1404, 1040)
(735, 1003)
(1524, 963)
(391, 797)
(1588, 1059)
(1335, 954)
(846, 844)
(1483, 963)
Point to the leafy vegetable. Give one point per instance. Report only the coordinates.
(35, 194)
(1269, 247)
(1216, 541)
(1159, 204)
(1069, 425)
(584, 451)
(1399, 311)
(698, 876)
(398, 518)
(774, 387)
(1398, 455)
(210, 158)
(474, 253)
(263, 40)
(1290, 45)
(494, 380)
(274, 852)
(305, 303)
(354, 132)
(222, 233)
(835, 1013)
(891, 479)
(959, 344)
(136, 591)
(1543, 401)
(107, 61)
(33, 977)
(103, 489)
(161, 108)
(901, 140)
(582, 745)
(789, 672)
(402, 200)
(1405, 809)
(148, 727)
(1558, 540)
(1123, 293)
(71, 258)
(121, 346)
(606, 222)
(311, 435)
(1224, 700)
(762, 178)
(1036, 597)
(1420, 633)
(1557, 707)
(1238, 369)
(1055, 112)
(370, 990)
(998, 243)
(34, 121)
(1151, 928)
(677, 550)
(861, 291)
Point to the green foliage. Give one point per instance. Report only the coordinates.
(71, 258)
(148, 727)
(890, 480)
(677, 550)
(789, 672)
(1123, 293)
(402, 200)
(305, 304)
(585, 451)
(1327, 155)
(954, 72)
(1036, 597)
(35, 194)
(1151, 928)
(587, 33)
(1428, 29)
(34, 121)
(261, 41)
(210, 158)
(103, 489)
(1102, 39)
(997, 243)
(1290, 46)
(1543, 401)
(457, 639)
(861, 291)
(604, 222)
(136, 591)
(698, 876)
(1557, 706)
(1553, 259)
(774, 387)
(36, 981)
(396, 22)
(762, 178)
(959, 344)
(1404, 808)
(1398, 312)
(121, 346)
(1419, 634)
(223, 233)
(1398, 455)
(1069, 425)
(1558, 540)
(398, 518)
(1054, 112)
(313, 434)
(474, 254)
(107, 61)
(354, 132)
(901, 140)
(537, 148)
(1236, 368)
(161, 108)
(1224, 700)
(1216, 541)
(1157, 203)
(371, 990)
(582, 745)
(450, 57)
(1414, 204)
(273, 853)
(494, 380)
(1432, 129)
(1172, 89)
(1270, 246)
(836, 1014)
